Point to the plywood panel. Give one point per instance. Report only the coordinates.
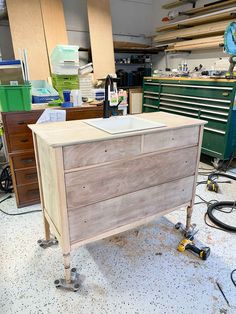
(122, 177)
(54, 23)
(94, 153)
(27, 32)
(100, 28)
(95, 219)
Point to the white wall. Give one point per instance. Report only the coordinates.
(205, 57)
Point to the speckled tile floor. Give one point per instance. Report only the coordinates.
(136, 272)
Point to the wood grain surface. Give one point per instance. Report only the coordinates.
(122, 177)
(96, 219)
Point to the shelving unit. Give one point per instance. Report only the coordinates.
(178, 3)
(226, 14)
(209, 7)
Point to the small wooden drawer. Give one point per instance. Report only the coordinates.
(26, 176)
(18, 122)
(103, 151)
(23, 161)
(20, 142)
(28, 194)
(169, 139)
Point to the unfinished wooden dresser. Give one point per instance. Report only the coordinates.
(94, 184)
(21, 151)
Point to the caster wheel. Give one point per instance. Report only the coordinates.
(76, 287)
(178, 225)
(39, 241)
(57, 283)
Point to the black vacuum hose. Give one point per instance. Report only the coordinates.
(218, 206)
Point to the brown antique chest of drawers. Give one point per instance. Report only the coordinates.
(21, 152)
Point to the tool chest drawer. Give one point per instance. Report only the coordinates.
(212, 101)
(23, 161)
(26, 176)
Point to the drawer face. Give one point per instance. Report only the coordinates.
(171, 139)
(151, 86)
(23, 161)
(28, 193)
(17, 122)
(96, 219)
(26, 176)
(128, 176)
(88, 114)
(103, 151)
(20, 142)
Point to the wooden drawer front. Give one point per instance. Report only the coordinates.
(98, 152)
(128, 176)
(170, 139)
(17, 122)
(24, 161)
(26, 176)
(84, 114)
(20, 142)
(28, 194)
(90, 221)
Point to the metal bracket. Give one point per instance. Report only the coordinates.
(74, 283)
(186, 233)
(47, 243)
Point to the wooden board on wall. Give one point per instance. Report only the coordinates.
(54, 24)
(100, 28)
(27, 32)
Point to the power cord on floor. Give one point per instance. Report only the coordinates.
(232, 277)
(17, 214)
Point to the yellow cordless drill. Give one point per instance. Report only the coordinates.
(188, 244)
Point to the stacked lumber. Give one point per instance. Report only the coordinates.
(210, 29)
(199, 20)
(198, 32)
(197, 44)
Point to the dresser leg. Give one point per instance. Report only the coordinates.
(46, 229)
(71, 281)
(66, 258)
(189, 217)
(49, 240)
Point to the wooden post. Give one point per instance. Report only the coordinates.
(67, 259)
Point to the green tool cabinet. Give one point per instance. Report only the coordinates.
(210, 100)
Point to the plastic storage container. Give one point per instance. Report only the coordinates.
(65, 59)
(65, 82)
(43, 92)
(15, 98)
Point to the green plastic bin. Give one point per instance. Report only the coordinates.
(15, 98)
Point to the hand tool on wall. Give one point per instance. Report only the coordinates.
(188, 242)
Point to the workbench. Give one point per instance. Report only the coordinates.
(94, 184)
(203, 98)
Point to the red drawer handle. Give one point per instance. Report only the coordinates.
(21, 122)
(27, 161)
(24, 141)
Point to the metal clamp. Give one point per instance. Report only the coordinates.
(47, 243)
(186, 233)
(74, 283)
